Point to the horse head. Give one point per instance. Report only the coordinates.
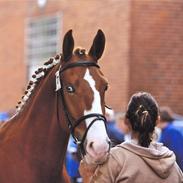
(82, 87)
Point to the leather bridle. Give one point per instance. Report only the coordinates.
(71, 123)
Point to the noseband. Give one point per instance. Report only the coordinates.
(71, 123)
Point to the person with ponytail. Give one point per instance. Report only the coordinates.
(140, 159)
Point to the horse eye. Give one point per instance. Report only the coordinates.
(70, 89)
(106, 87)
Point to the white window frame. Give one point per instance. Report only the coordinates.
(42, 43)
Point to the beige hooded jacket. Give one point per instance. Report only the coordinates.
(131, 163)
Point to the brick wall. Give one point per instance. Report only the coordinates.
(85, 18)
(157, 50)
(12, 65)
(143, 49)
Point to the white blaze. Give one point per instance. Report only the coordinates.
(97, 131)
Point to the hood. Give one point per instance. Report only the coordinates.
(158, 157)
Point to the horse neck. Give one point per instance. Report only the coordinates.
(42, 135)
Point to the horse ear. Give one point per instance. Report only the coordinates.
(68, 46)
(98, 45)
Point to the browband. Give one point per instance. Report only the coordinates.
(81, 63)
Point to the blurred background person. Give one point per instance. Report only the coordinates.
(72, 162)
(122, 125)
(115, 134)
(4, 116)
(171, 133)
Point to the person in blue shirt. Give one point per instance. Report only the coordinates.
(171, 133)
(4, 116)
(72, 162)
(115, 134)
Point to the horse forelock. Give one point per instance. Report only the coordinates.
(39, 74)
(79, 52)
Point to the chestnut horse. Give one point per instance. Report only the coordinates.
(64, 97)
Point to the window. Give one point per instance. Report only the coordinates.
(42, 41)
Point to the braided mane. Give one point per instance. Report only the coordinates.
(39, 73)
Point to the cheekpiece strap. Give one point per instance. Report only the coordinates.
(58, 83)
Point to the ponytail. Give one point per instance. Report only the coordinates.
(142, 113)
(146, 130)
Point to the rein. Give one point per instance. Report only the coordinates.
(71, 123)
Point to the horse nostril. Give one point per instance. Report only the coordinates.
(91, 145)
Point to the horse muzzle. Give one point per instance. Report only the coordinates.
(97, 151)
